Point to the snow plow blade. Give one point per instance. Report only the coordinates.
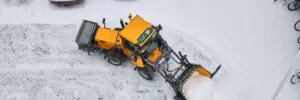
(86, 33)
(190, 79)
(178, 77)
(201, 70)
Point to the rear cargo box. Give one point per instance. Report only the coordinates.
(85, 36)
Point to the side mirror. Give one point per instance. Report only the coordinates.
(122, 23)
(129, 16)
(159, 27)
(103, 21)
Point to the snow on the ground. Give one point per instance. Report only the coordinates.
(41, 62)
(286, 90)
(199, 88)
(253, 39)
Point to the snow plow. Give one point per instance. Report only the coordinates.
(140, 42)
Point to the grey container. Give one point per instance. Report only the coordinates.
(86, 34)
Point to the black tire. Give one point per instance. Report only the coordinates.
(114, 61)
(297, 25)
(146, 73)
(293, 6)
(298, 40)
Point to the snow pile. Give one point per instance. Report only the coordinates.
(198, 87)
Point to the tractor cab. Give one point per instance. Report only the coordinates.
(139, 36)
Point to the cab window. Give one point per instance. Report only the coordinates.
(150, 49)
(146, 33)
(129, 45)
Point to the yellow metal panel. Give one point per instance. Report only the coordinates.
(138, 62)
(119, 42)
(134, 29)
(154, 56)
(106, 38)
(126, 51)
(203, 72)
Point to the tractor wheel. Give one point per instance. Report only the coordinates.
(293, 6)
(297, 25)
(146, 73)
(114, 61)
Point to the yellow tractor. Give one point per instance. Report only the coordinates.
(141, 42)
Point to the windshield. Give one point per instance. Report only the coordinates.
(152, 38)
(147, 32)
(150, 49)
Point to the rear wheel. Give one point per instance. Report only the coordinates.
(114, 61)
(294, 5)
(146, 73)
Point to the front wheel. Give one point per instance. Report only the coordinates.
(146, 73)
(293, 6)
